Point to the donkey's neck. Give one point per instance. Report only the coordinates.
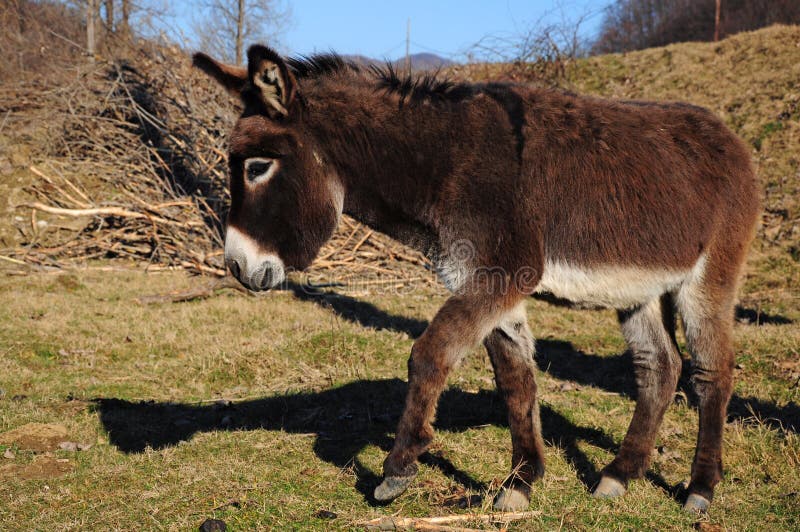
(392, 161)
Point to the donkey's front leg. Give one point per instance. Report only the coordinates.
(460, 324)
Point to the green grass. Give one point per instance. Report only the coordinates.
(263, 411)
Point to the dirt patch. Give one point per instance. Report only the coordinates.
(42, 467)
(37, 437)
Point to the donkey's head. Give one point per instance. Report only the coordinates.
(285, 203)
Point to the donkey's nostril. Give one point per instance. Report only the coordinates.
(266, 280)
(252, 273)
(268, 274)
(262, 277)
(234, 267)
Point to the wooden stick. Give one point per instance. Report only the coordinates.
(424, 527)
(88, 202)
(339, 247)
(204, 269)
(107, 211)
(361, 242)
(419, 523)
(398, 281)
(202, 292)
(13, 261)
(62, 192)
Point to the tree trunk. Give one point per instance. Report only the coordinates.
(20, 19)
(20, 35)
(124, 25)
(240, 32)
(91, 16)
(109, 16)
(716, 20)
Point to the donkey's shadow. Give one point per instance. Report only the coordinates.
(344, 421)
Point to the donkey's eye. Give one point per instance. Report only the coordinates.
(259, 170)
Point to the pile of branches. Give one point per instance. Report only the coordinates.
(133, 163)
(137, 161)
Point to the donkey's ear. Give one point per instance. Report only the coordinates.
(270, 75)
(231, 77)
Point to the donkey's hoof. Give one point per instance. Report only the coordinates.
(608, 488)
(696, 503)
(392, 487)
(511, 500)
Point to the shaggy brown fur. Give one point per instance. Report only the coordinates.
(511, 190)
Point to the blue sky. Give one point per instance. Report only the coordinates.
(377, 28)
(446, 27)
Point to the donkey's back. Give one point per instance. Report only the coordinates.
(650, 184)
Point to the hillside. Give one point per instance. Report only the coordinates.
(419, 62)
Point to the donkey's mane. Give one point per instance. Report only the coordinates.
(319, 65)
(428, 87)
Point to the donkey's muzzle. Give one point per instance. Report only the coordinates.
(254, 267)
(261, 276)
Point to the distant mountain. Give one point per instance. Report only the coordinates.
(419, 62)
(362, 60)
(426, 61)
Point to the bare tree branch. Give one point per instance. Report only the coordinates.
(544, 50)
(229, 25)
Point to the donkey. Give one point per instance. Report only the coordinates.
(646, 208)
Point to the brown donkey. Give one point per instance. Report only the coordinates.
(511, 191)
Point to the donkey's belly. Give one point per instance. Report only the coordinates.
(607, 286)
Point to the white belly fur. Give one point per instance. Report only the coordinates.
(610, 286)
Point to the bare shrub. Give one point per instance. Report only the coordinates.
(543, 53)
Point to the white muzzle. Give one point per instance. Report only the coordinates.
(253, 268)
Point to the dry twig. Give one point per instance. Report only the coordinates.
(441, 522)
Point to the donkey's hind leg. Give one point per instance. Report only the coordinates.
(706, 305)
(511, 349)
(650, 333)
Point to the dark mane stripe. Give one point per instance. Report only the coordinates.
(315, 66)
(427, 87)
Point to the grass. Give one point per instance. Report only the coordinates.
(263, 411)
